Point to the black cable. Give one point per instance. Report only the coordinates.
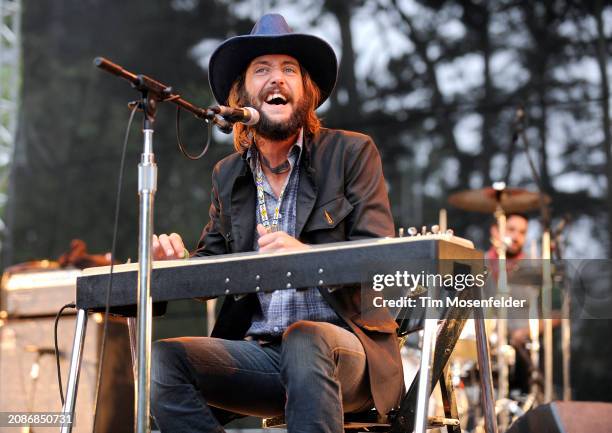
(112, 260)
(178, 137)
(57, 355)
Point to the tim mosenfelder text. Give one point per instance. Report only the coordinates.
(409, 281)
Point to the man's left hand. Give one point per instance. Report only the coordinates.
(277, 241)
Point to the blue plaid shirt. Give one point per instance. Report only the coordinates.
(281, 308)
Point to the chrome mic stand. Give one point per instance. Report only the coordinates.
(147, 186)
(152, 92)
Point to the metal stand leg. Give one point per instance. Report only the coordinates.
(486, 377)
(413, 404)
(75, 368)
(546, 314)
(131, 324)
(503, 384)
(424, 387)
(566, 335)
(534, 355)
(211, 305)
(449, 400)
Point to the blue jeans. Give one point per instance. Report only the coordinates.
(317, 372)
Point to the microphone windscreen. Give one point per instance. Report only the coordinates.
(253, 118)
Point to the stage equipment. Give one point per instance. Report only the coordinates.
(565, 417)
(547, 280)
(501, 201)
(237, 274)
(36, 289)
(562, 279)
(32, 293)
(328, 265)
(486, 200)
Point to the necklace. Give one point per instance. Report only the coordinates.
(261, 201)
(283, 167)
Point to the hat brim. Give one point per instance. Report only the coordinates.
(233, 56)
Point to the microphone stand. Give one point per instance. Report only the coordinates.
(147, 187)
(152, 93)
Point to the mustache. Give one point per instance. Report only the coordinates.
(263, 95)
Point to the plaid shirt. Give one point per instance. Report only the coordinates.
(281, 308)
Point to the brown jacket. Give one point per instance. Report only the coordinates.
(341, 196)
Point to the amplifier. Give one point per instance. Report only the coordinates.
(28, 374)
(31, 295)
(37, 292)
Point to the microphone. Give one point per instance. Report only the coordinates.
(246, 115)
(224, 126)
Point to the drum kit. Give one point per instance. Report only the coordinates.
(500, 201)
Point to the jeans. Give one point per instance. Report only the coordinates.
(315, 374)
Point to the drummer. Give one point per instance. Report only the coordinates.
(515, 237)
(516, 234)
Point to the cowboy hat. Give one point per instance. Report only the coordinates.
(271, 35)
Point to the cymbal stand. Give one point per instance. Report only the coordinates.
(546, 314)
(546, 269)
(534, 355)
(566, 331)
(503, 385)
(566, 345)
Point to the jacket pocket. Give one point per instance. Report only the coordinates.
(329, 215)
(226, 233)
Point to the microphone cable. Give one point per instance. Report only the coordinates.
(57, 352)
(178, 137)
(112, 259)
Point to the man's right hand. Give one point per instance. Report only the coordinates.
(168, 247)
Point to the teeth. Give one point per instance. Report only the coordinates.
(274, 96)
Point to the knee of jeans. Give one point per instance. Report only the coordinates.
(304, 347)
(168, 362)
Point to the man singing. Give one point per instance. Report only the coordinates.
(311, 354)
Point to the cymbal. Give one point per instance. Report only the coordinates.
(485, 200)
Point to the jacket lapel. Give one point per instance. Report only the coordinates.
(307, 190)
(243, 210)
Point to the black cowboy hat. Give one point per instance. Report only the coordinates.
(271, 35)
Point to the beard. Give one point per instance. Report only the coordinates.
(278, 131)
(511, 252)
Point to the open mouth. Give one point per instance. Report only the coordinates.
(276, 99)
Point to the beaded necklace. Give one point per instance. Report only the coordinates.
(261, 201)
(261, 198)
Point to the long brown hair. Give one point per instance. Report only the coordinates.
(243, 135)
